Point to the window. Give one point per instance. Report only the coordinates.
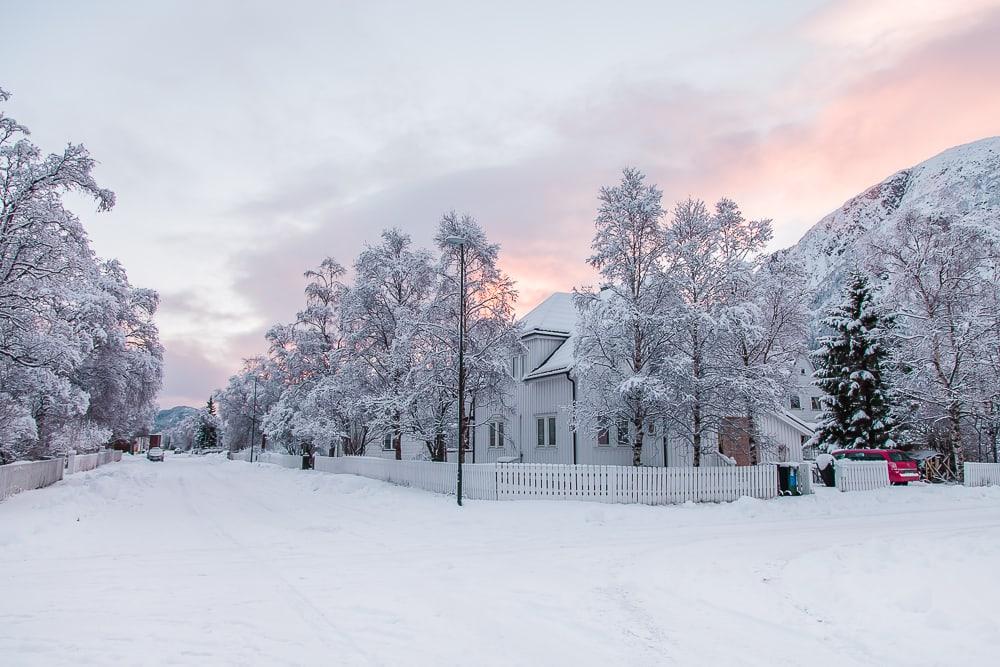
(650, 427)
(795, 402)
(622, 429)
(546, 431)
(387, 442)
(517, 367)
(814, 401)
(496, 433)
(603, 436)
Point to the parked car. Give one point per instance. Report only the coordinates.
(154, 454)
(902, 467)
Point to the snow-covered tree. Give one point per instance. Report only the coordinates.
(123, 372)
(623, 329)
(304, 353)
(244, 401)
(943, 279)
(709, 260)
(764, 332)
(853, 368)
(383, 314)
(491, 335)
(78, 346)
(208, 426)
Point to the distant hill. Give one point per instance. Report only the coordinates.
(963, 181)
(167, 419)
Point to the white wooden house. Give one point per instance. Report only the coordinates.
(536, 428)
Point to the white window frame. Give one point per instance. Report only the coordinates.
(387, 442)
(550, 430)
(497, 430)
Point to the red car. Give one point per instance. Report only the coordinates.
(902, 468)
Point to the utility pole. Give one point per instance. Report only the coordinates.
(253, 421)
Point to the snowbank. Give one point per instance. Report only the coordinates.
(203, 560)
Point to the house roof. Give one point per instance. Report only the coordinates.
(803, 427)
(554, 316)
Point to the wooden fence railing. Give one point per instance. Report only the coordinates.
(981, 474)
(861, 475)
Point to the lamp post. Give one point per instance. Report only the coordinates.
(460, 243)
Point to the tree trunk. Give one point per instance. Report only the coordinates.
(752, 438)
(956, 453)
(637, 443)
(696, 408)
(397, 436)
(696, 432)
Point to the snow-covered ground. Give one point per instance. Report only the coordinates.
(200, 560)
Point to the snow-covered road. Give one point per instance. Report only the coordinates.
(200, 560)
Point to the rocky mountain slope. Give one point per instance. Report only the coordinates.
(167, 419)
(963, 181)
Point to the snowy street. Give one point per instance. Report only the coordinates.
(200, 560)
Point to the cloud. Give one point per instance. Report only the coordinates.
(190, 374)
(321, 149)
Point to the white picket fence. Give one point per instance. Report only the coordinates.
(27, 475)
(624, 484)
(982, 474)
(861, 475)
(609, 484)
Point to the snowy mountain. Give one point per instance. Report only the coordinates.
(963, 181)
(166, 419)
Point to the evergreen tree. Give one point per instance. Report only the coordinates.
(852, 370)
(208, 427)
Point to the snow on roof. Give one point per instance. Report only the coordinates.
(557, 314)
(558, 362)
(803, 427)
(554, 316)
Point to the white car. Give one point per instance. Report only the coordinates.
(155, 454)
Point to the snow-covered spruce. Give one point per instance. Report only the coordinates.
(852, 368)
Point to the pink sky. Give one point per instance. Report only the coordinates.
(246, 142)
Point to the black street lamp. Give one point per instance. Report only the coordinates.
(460, 242)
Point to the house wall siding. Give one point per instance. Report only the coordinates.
(784, 436)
